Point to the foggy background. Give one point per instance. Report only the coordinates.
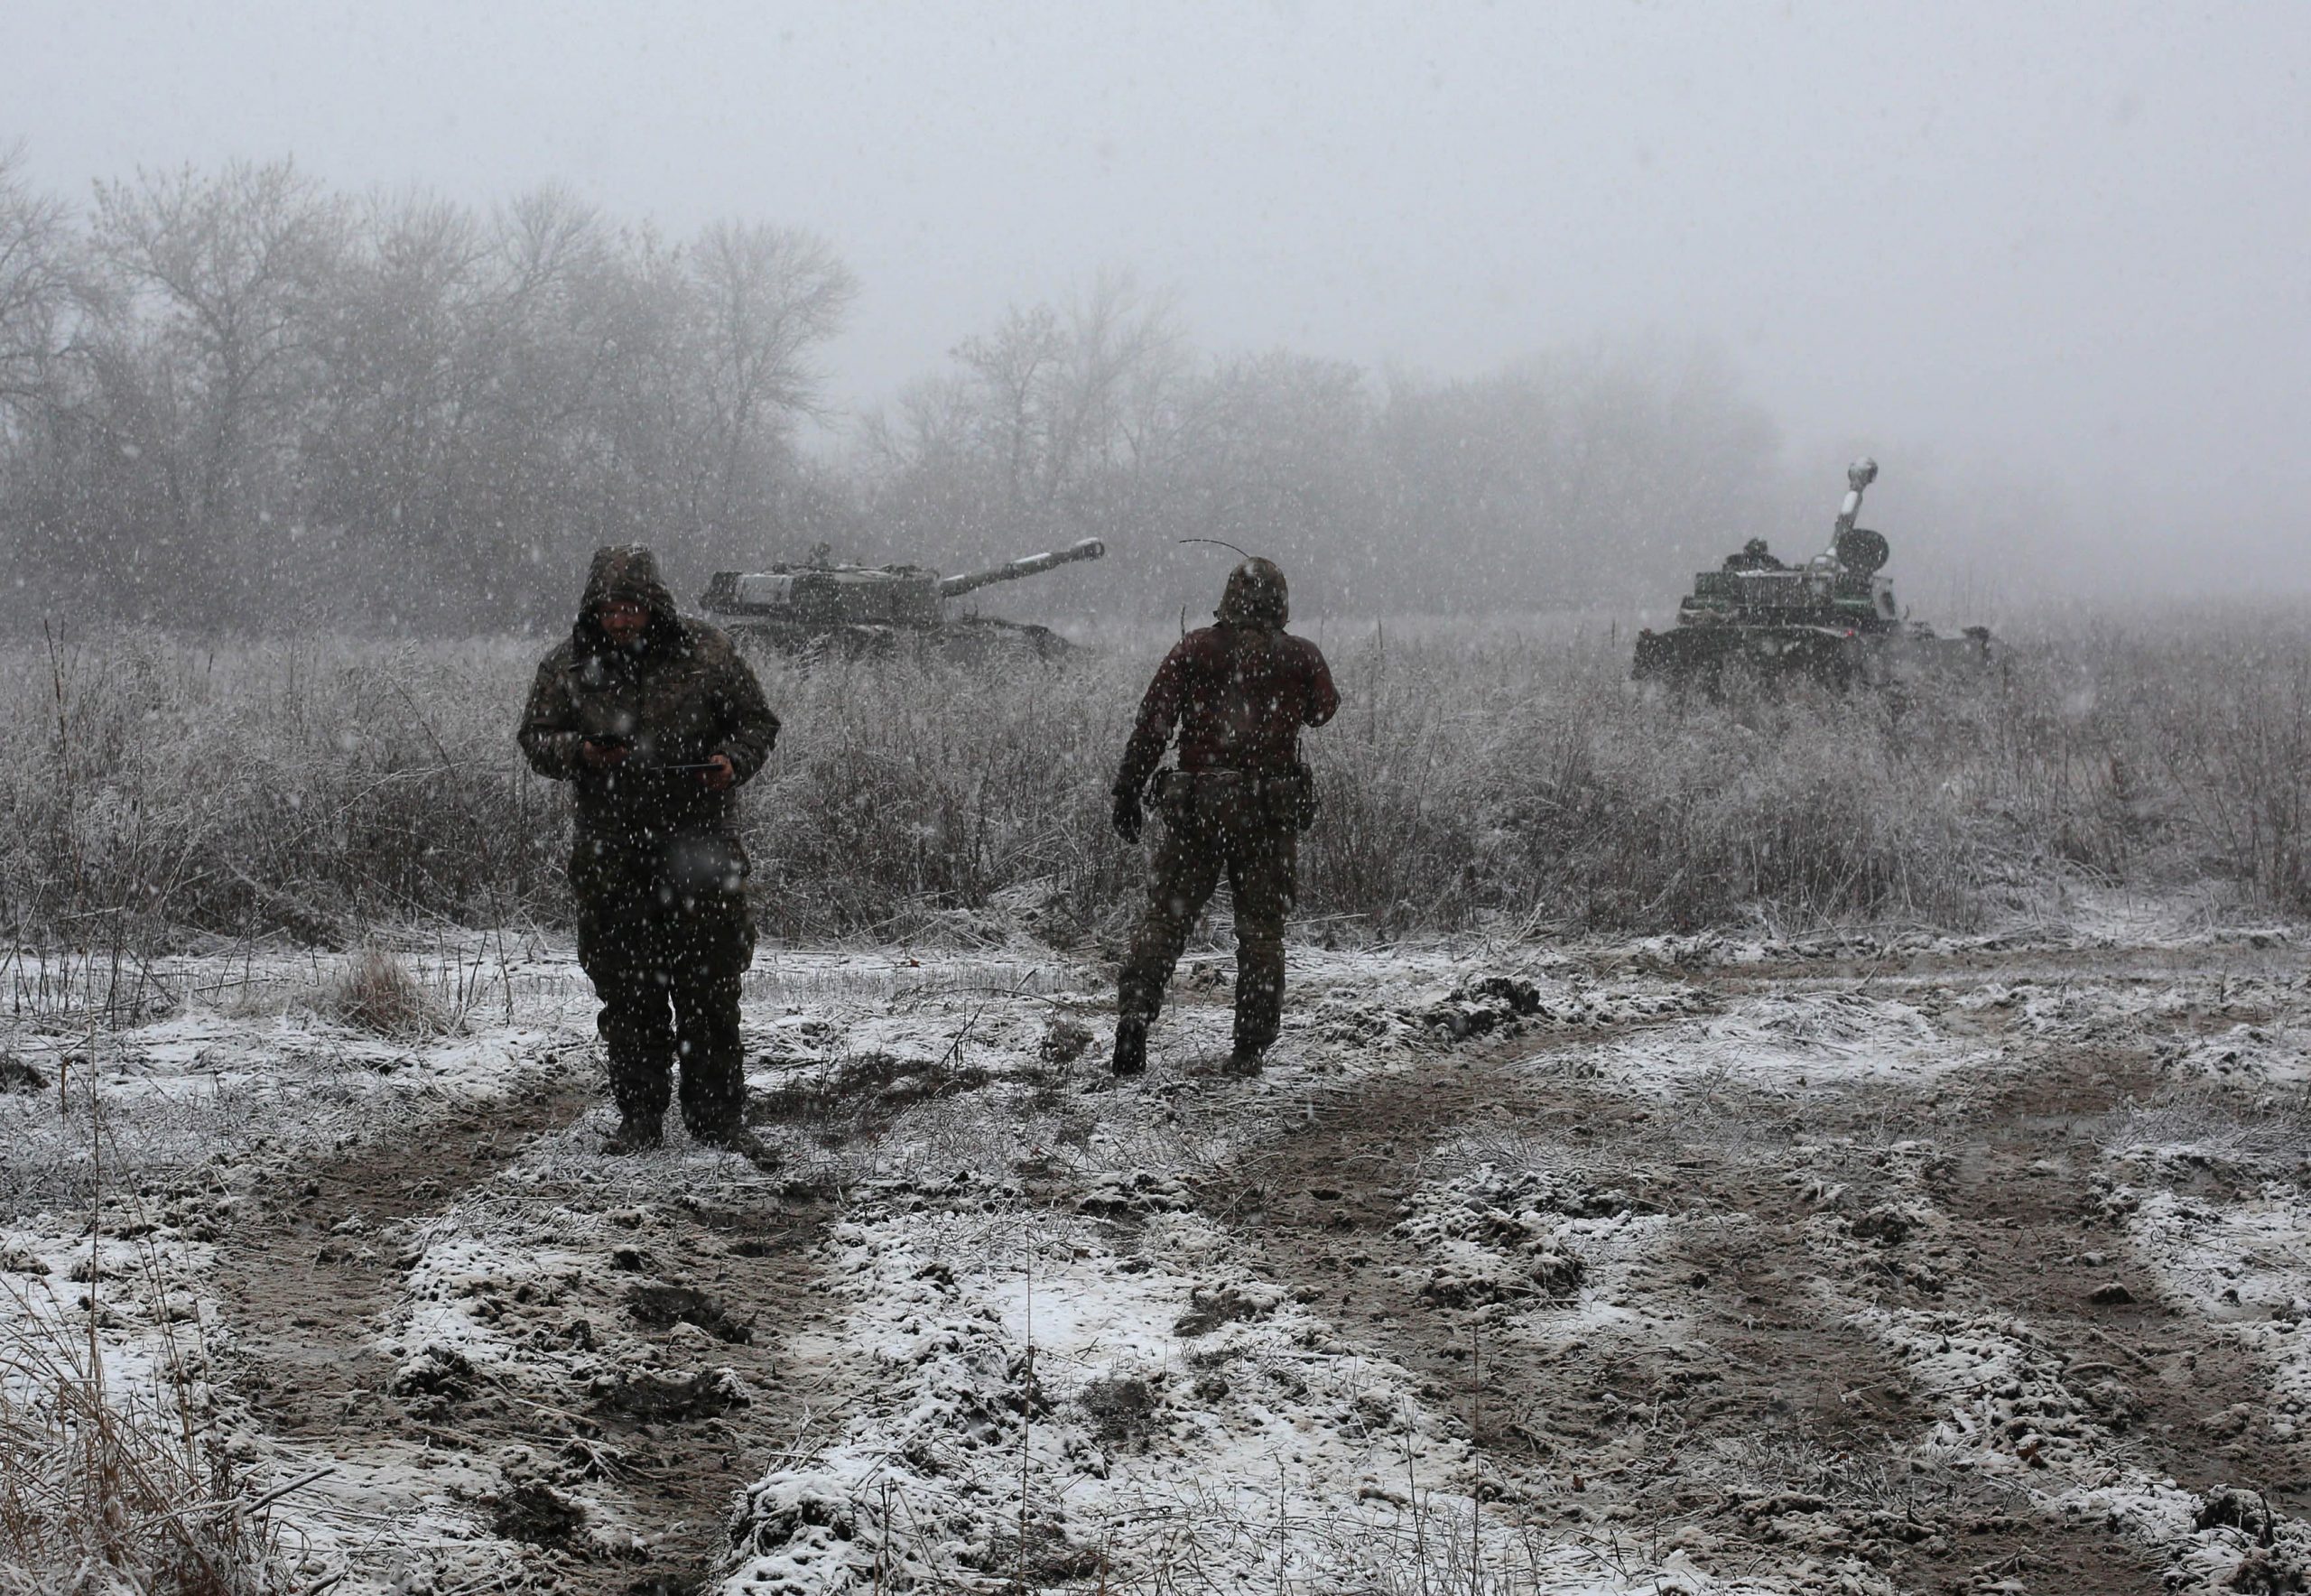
(309, 313)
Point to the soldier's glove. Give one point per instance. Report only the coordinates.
(1127, 817)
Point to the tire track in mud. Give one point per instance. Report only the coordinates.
(2022, 1201)
(301, 1306)
(2267, 957)
(306, 1307)
(1753, 1355)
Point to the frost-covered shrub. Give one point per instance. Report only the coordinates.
(318, 787)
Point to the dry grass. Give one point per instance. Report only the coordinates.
(109, 1483)
(375, 992)
(320, 789)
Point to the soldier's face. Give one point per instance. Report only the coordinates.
(623, 620)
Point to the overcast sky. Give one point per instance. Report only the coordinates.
(2072, 239)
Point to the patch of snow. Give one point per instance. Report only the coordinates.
(1780, 1042)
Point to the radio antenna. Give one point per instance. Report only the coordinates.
(1220, 542)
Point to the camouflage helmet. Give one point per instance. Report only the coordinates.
(1256, 595)
(1756, 545)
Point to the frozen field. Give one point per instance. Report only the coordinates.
(1701, 1266)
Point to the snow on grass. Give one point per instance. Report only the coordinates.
(1105, 1390)
(2012, 1408)
(1781, 1043)
(1048, 1367)
(2245, 1266)
(241, 1082)
(2107, 917)
(391, 1519)
(2121, 1007)
(2255, 1055)
(205, 1088)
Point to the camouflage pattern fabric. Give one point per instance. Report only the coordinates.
(664, 932)
(1236, 695)
(665, 936)
(1219, 822)
(681, 696)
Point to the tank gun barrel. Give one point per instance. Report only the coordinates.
(951, 587)
(1858, 476)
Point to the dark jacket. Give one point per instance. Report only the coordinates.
(680, 696)
(1238, 695)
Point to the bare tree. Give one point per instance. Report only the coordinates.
(222, 276)
(770, 297)
(1016, 370)
(36, 288)
(386, 451)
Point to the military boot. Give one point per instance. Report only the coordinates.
(1131, 1046)
(1244, 1061)
(635, 1133)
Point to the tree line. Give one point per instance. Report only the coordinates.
(236, 398)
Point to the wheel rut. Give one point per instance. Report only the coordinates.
(309, 1304)
(1604, 1426)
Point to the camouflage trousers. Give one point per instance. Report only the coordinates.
(664, 935)
(1216, 824)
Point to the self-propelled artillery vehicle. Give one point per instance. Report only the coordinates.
(1832, 620)
(870, 609)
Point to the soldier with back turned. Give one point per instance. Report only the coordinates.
(1238, 694)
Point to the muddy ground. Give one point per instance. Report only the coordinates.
(1947, 1268)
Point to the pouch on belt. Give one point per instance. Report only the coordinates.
(1195, 801)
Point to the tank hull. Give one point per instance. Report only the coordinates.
(1830, 618)
(1704, 656)
(969, 639)
(1709, 656)
(865, 611)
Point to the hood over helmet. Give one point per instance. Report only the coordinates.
(1255, 596)
(628, 572)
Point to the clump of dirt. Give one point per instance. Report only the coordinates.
(16, 1260)
(2267, 1571)
(1226, 1304)
(1050, 1558)
(1125, 1410)
(538, 1514)
(1065, 1041)
(1496, 1236)
(668, 1397)
(433, 1378)
(1506, 1006)
(1554, 1274)
(862, 1095)
(1347, 1017)
(1888, 1227)
(1495, 1003)
(1138, 1190)
(15, 1075)
(2245, 1511)
(662, 1307)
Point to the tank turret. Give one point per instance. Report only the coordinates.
(1832, 617)
(869, 608)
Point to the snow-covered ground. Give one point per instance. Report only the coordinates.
(1673, 1265)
